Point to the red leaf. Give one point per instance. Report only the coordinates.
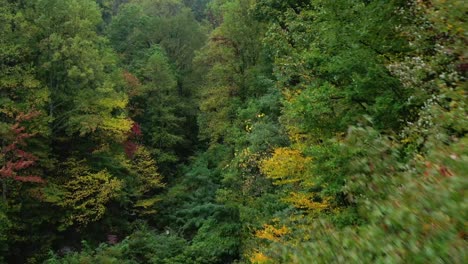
(23, 154)
(6, 172)
(25, 117)
(445, 171)
(136, 129)
(18, 129)
(130, 148)
(8, 148)
(22, 164)
(29, 178)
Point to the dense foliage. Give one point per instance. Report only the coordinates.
(233, 131)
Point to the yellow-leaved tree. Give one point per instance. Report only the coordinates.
(84, 195)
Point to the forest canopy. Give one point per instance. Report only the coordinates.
(233, 131)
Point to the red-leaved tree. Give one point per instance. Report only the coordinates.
(130, 145)
(13, 159)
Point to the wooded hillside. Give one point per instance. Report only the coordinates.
(233, 131)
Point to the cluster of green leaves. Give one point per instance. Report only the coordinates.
(156, 41)
(330, 111)
(287, 131)
(191, 209)
(371, 93)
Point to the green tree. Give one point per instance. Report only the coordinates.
(229, 60)
(87, 109)
(84, 95)
(164, 33)
(156, 106)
